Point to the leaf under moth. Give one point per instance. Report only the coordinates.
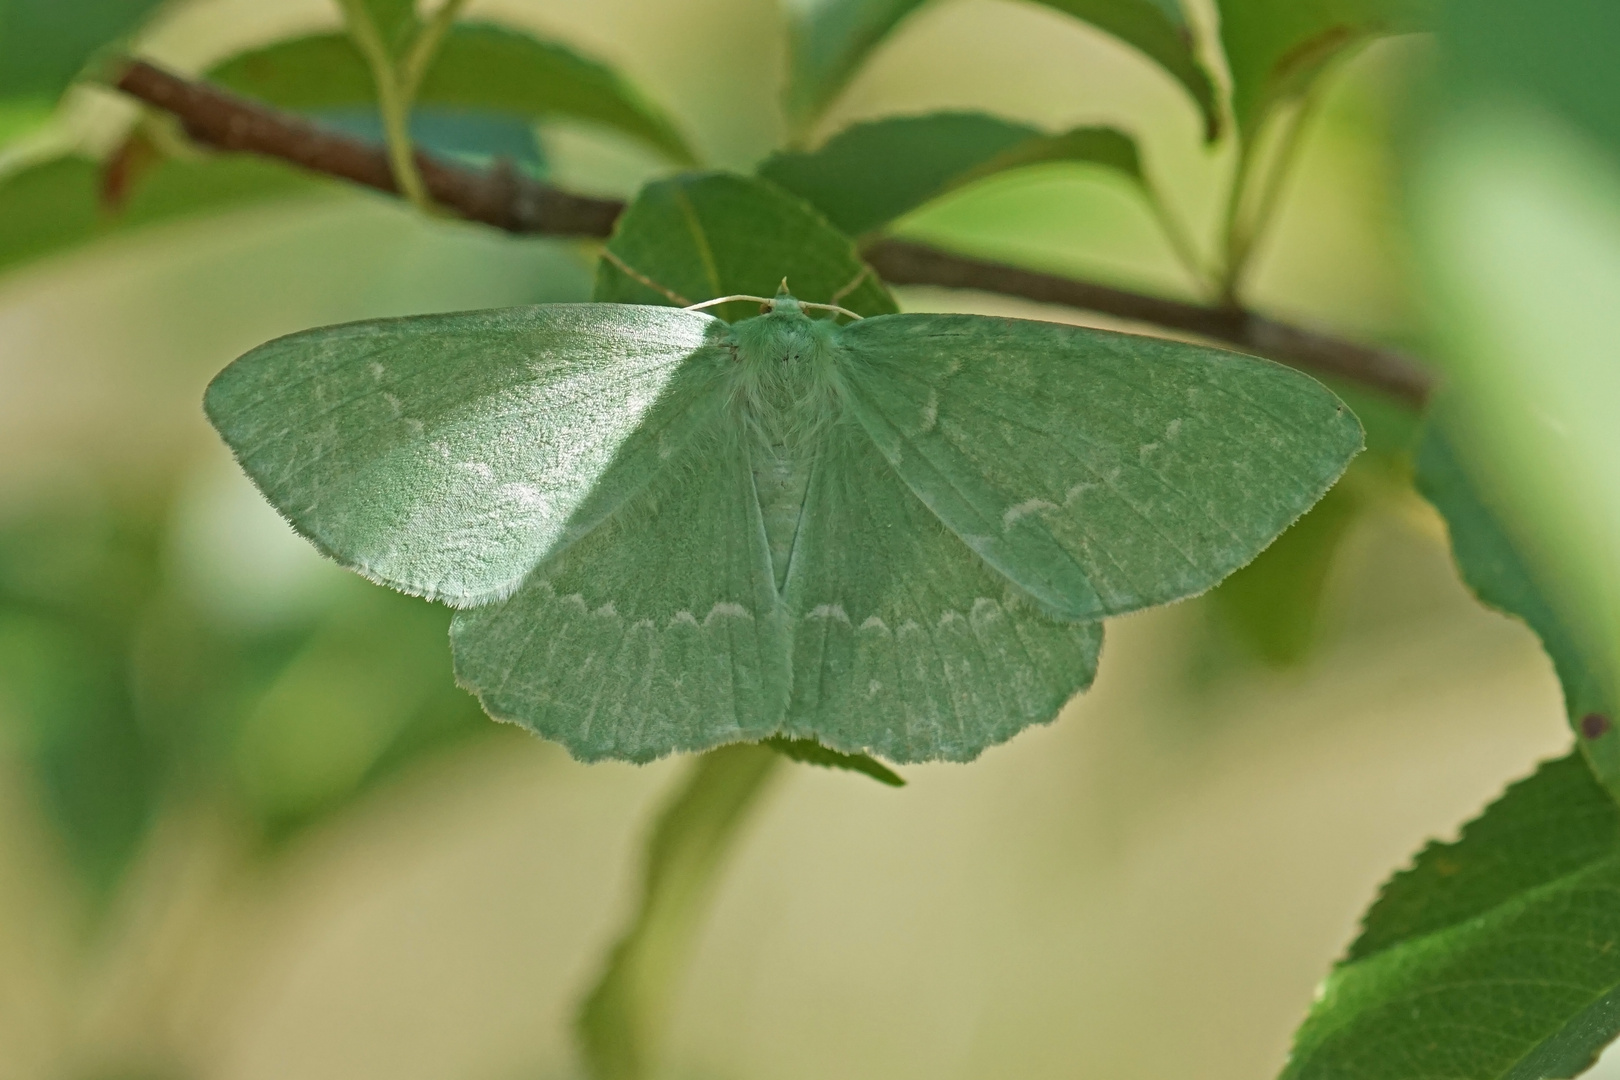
(1277, 48)
(835, 38)
(622, 1019)
(810, 752)
(707, 235)
(479, 66)
(1496, 957)
(870, 175)
(1275, 603)
(1494, 568)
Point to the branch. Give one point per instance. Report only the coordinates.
(509, 200)
(501, 197)
(902, 262)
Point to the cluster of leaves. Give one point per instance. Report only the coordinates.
(1490, 957)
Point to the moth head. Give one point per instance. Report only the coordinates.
(783, 301)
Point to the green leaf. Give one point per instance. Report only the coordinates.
(1516, 206)
(23, 116)
(710, 235)
(396, 20)
(1493, 566)
(479, 66)
(1552, 824)
(835, 38)
(44, 44)
(872, 174)
(1559, 56)
(1274, 603)
(1276, 48)
(1496, 957)
(810, 752)
(622, 1020)
(57, 205)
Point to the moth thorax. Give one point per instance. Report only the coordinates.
(785, 377)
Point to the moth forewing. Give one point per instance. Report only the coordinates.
(1158, 467)
(448, 455)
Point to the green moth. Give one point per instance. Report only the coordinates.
(895, 535)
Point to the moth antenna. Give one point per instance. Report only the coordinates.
(607, 254)
(830, 307)
(725, 300)
(854, 284)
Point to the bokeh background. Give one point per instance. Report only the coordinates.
(249, 828)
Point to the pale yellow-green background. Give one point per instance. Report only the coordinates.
(1149, 888)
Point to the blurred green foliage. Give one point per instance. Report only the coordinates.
(44, 44)
(623, 1018)
(130, 693)
(61, 203)
(1561, 56)
(1494, 566)
(1279, 49)
(1510, 931)
(129, 689)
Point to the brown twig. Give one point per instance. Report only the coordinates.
(500, 197)
(516, 203)
(902, 262)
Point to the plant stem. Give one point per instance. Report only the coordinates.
(392, 101)
(1180, 239)
(1231, 270)
(1245, 237)
(426, 46)
(623, 1018)
(1244, 232)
